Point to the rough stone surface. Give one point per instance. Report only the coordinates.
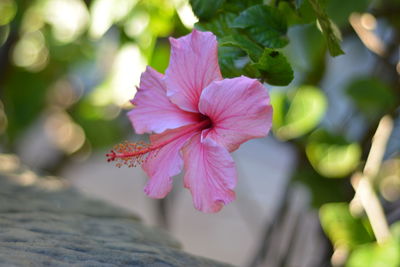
(43, 222)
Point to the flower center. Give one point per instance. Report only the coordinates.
(133, 154)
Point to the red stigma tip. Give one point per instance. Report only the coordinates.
(111, 156)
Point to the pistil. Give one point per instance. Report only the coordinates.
(133, 154)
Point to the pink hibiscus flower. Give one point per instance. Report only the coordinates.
(198, 118)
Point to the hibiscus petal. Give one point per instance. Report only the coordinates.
(153, 111)
(239, 110)
(210, 174)
(193, 65)
(164, 163)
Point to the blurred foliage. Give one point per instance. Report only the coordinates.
(297, 112)
(323, 190)
(8, 8)
(69, 67)
(276, 41)
(331, 155)
(371, 96)
(374, 255)
(331, 31)
(74, 55)
(342, 228)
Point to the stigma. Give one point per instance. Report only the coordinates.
(130, 154)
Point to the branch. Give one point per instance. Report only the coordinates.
(365, 197)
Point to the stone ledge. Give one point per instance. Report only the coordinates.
(45, 222)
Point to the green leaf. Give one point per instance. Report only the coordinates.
(342, 228)
(226, 59)
(233, 47)
(279, 103)
(374, 255)
(205, 9)
(237, 6)
(221, 25)
(340, 13)
(377, 255)
(234, 62)
(306, 12)
(264, 24)
(371, 96)
(274, 67)
(302, 14)
(329, 29)
(332, 156)
(241, 41)
(8, 10)
(291, 13)
(306, 110)
(296, 115)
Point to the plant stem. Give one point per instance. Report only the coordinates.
(362, 182)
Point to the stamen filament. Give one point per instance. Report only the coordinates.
(133, 154)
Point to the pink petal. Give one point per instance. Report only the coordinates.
(162, 164)
(153, 111)
(193, 65)
(210, 174)
(239, 110)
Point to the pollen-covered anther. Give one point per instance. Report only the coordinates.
(129, 154)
